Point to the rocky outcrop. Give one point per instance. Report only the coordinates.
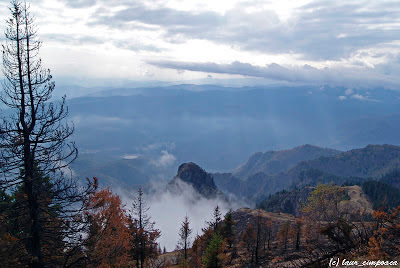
(196, 177)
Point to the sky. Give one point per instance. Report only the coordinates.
(351, 43)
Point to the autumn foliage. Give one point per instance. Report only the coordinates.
(108, 243)
(385, 241)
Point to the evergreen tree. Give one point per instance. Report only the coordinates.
(34, 139)
(215, 223)
(196, 252)
(53, 232)
(184, 238)
(382, 195)
(228, 229)
(212, 257)
(11, 249)
(144, 235)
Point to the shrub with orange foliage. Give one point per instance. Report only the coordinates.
(108, 241)
(249, 237)
(385, 242)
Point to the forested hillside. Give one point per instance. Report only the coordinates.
(274, 162)
(354, 166)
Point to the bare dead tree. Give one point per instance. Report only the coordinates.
(184, 238)
(144, 245)
(33, 140)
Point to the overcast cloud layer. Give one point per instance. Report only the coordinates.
(355, 43)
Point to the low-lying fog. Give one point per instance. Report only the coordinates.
(168, 210)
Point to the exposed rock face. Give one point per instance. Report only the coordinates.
(201, 181)
(358, 199)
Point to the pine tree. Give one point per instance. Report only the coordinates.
(10, 245)
(212, 257)
(53, 233)
(228, 229)
(144, 245)
(184, 237)
(34, 139)
(215, 223)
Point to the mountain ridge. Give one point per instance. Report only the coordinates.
(371, 162)
(274, 162)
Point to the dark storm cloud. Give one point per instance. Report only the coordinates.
(366, 77)
(321, 30)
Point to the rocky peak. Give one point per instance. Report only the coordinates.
(195, 175)
(198, 178)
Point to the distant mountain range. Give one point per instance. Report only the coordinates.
(263, 174)
(256, 179)
(132, 136)
(274, 162)
(219, 127)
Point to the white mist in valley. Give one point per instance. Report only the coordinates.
(168, 210)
